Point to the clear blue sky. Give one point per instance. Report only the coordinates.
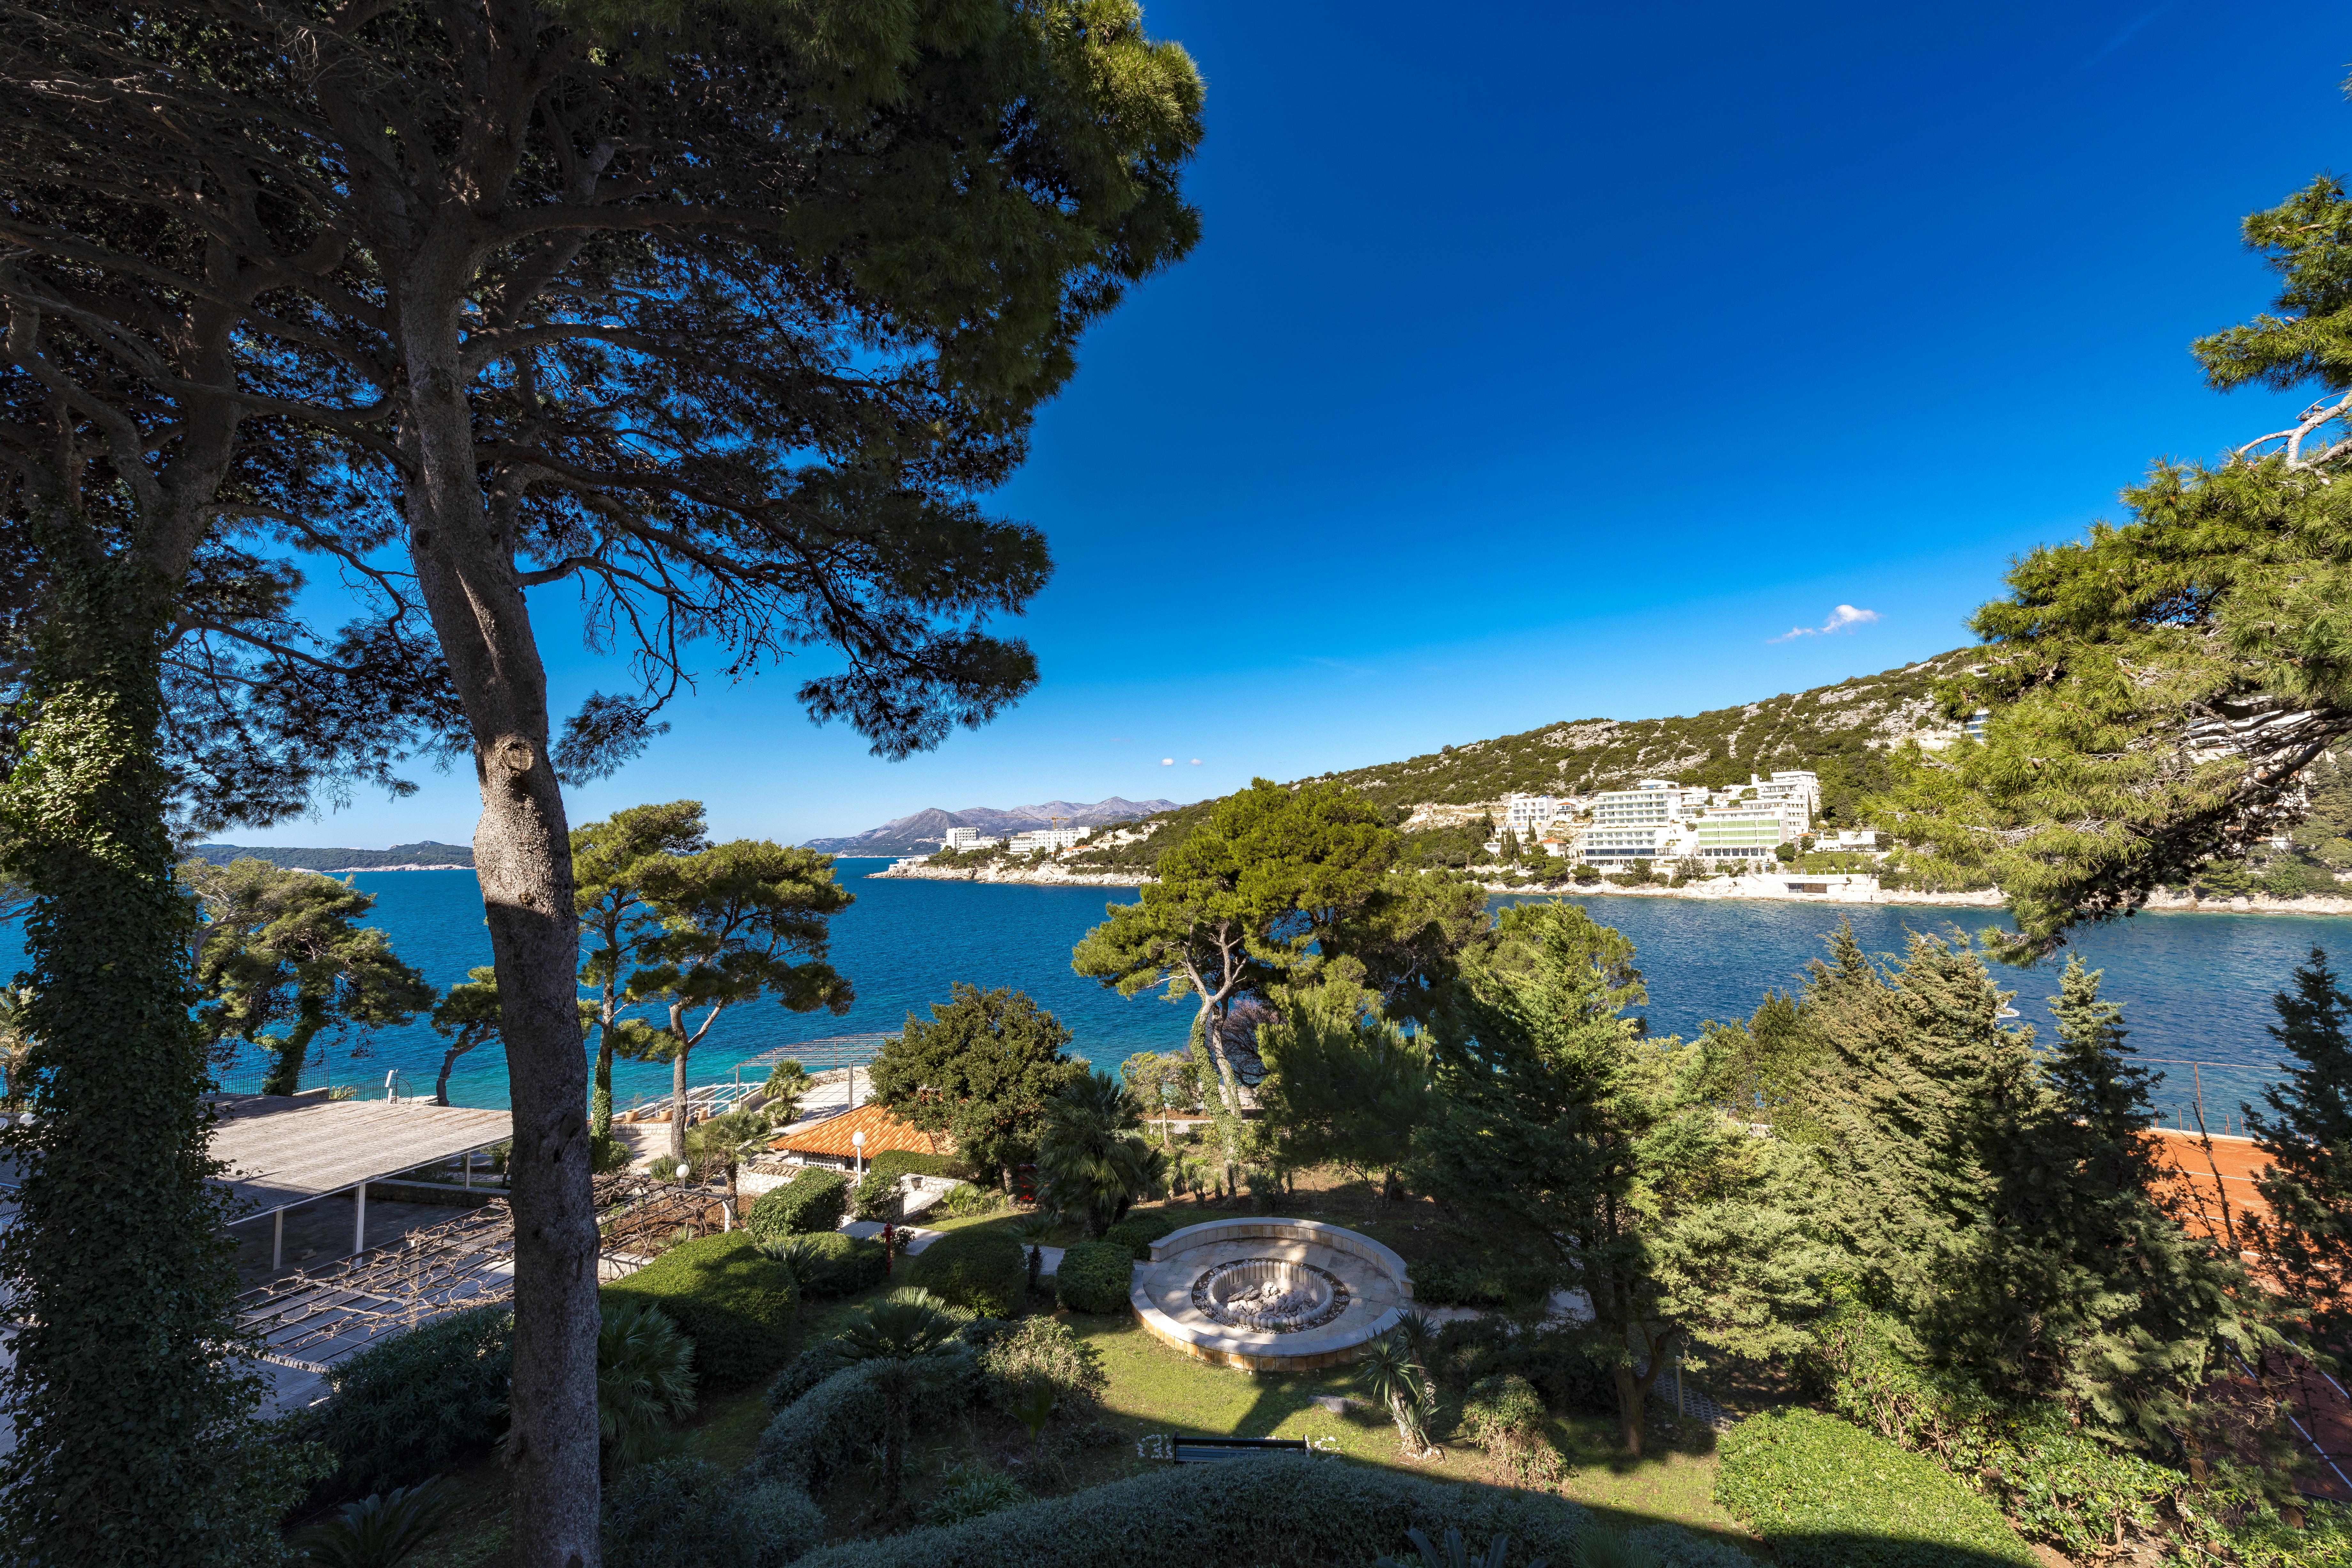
(1549, 361)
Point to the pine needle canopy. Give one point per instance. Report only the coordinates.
(2156, 691)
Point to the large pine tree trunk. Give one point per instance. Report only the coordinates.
(522, 854)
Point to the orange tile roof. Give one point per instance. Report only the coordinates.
(882, 1130)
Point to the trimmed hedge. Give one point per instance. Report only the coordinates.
(1137, 1231)
(876, 1196)
(1827, 1494)
(810, 1204)
(1094, 1277)
(831, 1430)
(690, 1513)
(897, 1163)
(731, 1300)
(412, 1405)
(833, 1263)
(1282, 1511)
(982, 1271)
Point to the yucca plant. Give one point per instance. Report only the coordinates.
(380, 1530)
(1390, 1374)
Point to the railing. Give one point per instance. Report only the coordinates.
(702, 1102)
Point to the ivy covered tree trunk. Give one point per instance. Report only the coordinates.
(133, 1444)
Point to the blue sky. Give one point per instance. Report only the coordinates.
(1552, 361)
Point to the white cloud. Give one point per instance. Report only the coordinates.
(1845, 618)
(1196, 762)
(1167, 761)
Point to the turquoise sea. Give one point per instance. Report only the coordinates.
(2194, 986)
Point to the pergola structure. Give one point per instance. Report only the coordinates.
(284, 1150)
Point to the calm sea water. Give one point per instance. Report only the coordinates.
(2194, 986)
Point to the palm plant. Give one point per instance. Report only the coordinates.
(1031, 1230)
(723, 1142)
(645, 1381)
(899, 1337)
(380, 1530)
(1392, 1375)
(1092, 1155)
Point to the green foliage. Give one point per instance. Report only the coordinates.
(967, 1200)
(983, 1271)
(900, 1338)
(1392, 1373)
(415, 1405)
(283, 958)
(972, 1497)
(2307, 1133)
(979, 1070)
(1138, 1230)
(1284, 1511)
(2001, 1205)
(831, 1262)
(645, 1381)
(1825, 1494)
(1094, 1277)
(897, 1163)
(1343, 1084)
(468, 1017)
(1459, 845)
(1569, 1135)
(812, 1203)
(732, 1300)
(875, 1197)
(381, 1530)
(1565, 1370)
(688, 1514)
(1041, 1351)
(617, 924)
(829, 1432)
(1503, 1416)
(1092, 1160)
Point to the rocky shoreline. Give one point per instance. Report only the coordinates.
(1774, 886)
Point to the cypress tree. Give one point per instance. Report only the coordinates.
(2307, 1134)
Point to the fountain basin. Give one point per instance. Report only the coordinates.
(1270, 1294)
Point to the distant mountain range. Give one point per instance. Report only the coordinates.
(426, 854)
(926, 830)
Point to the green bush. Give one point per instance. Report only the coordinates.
(1504, 1416)
(897, 1163)
(1826, 1494)
(812, 1203)
(831, 1263)
(973, 1497)
(1094, 1277)
(1283, 1512)
(965, 1201)
(413, 1405)
(1478, 1282)
(876, 1196)
(1137, 1231)
(983, 1271)
(731, 1300)
(830, 1431)
(1556, 1361)
(1037, 1350)
(690, 1513)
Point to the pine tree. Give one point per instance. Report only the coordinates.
(2308, 1133)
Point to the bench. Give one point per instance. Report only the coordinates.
(1215, 1450)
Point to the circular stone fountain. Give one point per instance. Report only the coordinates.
(1273, 1295)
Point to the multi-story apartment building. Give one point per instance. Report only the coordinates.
(1528, 814)
(1054, 838)
(971, 838)
(1748, 832)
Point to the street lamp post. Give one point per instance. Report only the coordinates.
(857, 1142)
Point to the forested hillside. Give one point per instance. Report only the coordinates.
(1840, 731)
(426, 854)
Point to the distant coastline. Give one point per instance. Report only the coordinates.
(1790, 887)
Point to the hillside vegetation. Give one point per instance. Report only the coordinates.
(426, 854)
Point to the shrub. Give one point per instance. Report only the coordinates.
(1554, 1361)
(983, 1271)
(731, 1300)
(897, 1163)
(876, 1196)
(688, 1514)
(1283, 1511)
(1478, 1281)
(830, 1263)
(832, 1429)
(1824, 1492)
(1040, 1350)
(802, 1373)
(410, 1408)
(963, 1200)
(1504, 1416)
(811, 1202)
(1094, 1277)
(1137, 1231)
(972, 1497)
